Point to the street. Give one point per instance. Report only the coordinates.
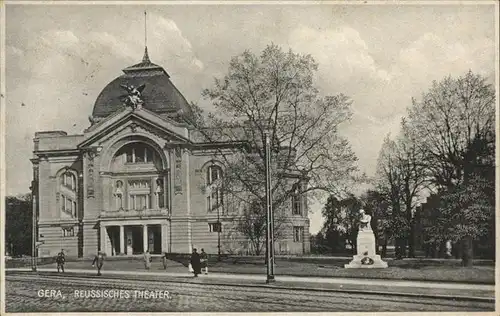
(38, 293)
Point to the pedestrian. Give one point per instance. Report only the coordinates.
(99, 261)
(165, 261)
(448, 249)
(60, 260)
(204, 261)
(147, 260)
(195, 262)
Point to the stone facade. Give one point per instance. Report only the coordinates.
(135, 179)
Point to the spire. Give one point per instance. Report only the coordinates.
(145, 59)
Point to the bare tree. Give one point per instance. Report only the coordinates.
(274, 93)
(401, 178)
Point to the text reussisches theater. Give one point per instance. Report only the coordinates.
(107, 293)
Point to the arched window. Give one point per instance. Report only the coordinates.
(138, 152)
(214, 173)
(69, 180)
(215, 198)
(68, 194)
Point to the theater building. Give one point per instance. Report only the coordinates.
(137, 178)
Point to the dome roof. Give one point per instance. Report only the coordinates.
(159, 94)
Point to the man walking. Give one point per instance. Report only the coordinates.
(204, 261)
(99, 261)
(195, 262)
(60, 260)
(165, 261)
(147, 260)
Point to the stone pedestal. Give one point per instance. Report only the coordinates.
(366, 256)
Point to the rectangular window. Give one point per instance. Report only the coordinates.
(296, 205)
(68, 232)
(139, 201)
(215, 227)
(298, 233)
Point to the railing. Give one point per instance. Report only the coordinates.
(134, 213)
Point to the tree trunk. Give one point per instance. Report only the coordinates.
(457, 250)
(411, 242)
(400, 248)
(467, 252)
(384, 249)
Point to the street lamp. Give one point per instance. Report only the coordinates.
(269, 211)
(33, 228)
(219, 227)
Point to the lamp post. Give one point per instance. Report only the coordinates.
(219, 227)
(33, 229)
(269, 211)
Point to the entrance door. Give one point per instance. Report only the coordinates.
(129, 238)
(114, 236)
(154, 242)
(137, 236)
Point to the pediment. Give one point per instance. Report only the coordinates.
(135, 121)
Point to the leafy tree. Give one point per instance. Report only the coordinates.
(453, 128)
(465, 214)
(18, 224)
(318, 244)
(274, 93)
(341, 222)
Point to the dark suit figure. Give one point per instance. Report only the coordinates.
(195, 262)
(60, 260)
(99, 261)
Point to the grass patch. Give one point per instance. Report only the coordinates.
(407, 269)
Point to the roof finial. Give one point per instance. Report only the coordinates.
(145, 59)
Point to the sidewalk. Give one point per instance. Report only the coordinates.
(450, 290)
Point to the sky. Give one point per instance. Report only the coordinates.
(59, 58)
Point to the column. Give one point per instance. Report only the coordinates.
(122, 239)
(103, 238)
(164, 238)
(145, 237)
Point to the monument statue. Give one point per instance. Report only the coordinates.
(365, 221)
(133, 98)
(366, 256)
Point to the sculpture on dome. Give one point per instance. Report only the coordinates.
(133, 98)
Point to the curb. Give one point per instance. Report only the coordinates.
(294, 288)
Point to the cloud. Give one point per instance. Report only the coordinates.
(59, 73)
(381, 95)
(340, 52)
(432, 57)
